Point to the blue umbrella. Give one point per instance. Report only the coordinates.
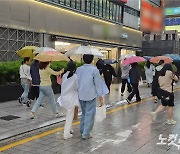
(110, 61)
(147, 57)
(175, 57)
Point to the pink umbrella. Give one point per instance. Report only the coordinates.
(134, 59)
(158, 58)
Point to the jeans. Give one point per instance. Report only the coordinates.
(87, 118)
(69, 119)
(26, 85)
(124, 81)
(45, 91)
(134, 92)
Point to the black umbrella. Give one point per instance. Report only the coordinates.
(110, 61)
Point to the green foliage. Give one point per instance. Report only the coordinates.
(9, 71)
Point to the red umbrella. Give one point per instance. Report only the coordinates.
(134, 59)
(158, 58)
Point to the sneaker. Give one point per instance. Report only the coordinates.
(57, 115)
(170, 122)
(89, 137)
(128, 101)
(33, 115)
(20, 100)
(155, 101)
(67, 136)
(71, 131)
(138, 100)
(122, 94)
(28, 103)
(153, 114)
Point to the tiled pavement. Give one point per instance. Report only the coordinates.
(44, 114)
(129, 130)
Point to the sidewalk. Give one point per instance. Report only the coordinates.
(20, 114)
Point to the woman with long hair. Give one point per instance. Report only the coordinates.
(69, 96)
(165, 90)
(45, 88)
(26, 79)
(149, 72)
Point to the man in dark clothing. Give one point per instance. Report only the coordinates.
(108, 72)
(34, 90)
(135, 76)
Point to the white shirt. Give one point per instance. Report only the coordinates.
(69, 92)
(24, 72)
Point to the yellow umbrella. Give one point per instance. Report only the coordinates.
(49, 56)
(27, 51)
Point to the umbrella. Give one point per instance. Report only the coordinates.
(43, 49)
(126, 56)
(110, 61)
(158, 58)
(51, 56)
(27, 51)
(134, 59)
(147, 57)
(81, 50)
(175, 57)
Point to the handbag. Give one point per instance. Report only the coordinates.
(59, 79)
(100, 113)
(75, 113)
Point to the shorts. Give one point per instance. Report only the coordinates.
(169, 102)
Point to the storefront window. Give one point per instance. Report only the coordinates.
(102, 8)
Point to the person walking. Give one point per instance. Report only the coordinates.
(90, 88)
(165, 89)
(125, 75)
(149, 72)
(69, 96)
(34, 90)
(45, 88)
(135, 76)
(26, 80)
(109, 73)
(155, 80)
(100, 66)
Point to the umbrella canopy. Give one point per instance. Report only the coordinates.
(147, 57)
(51, 56)
(43, 49)
(134, 59)
(127, 56)
(81, 50)
(158, 58)
(110, 61)
(175, 57)
(27, 51)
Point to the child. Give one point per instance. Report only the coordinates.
(69, 96)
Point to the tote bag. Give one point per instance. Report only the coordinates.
(100, 113)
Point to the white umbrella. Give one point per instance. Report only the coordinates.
(44, 49)
(81, 50)
(126, 56)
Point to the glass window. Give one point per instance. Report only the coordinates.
(61, 1)
(78, 4)
(67, 2)
(96, 7)
(73, 4)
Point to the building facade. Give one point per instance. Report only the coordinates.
(63, 24)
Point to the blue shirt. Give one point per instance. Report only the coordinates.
(89, 81)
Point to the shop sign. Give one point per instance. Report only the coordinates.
(172, 11)
(172, 21)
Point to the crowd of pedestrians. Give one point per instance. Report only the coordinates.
(85, 87)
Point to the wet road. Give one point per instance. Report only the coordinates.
(127, 129)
